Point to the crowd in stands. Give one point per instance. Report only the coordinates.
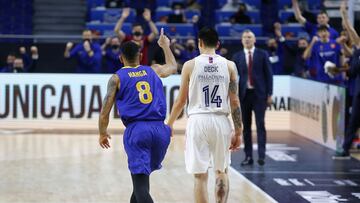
(289, 53)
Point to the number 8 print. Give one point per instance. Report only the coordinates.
(143, 88)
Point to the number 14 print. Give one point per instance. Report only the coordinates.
(214, 99)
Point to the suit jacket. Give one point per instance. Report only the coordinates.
(261, 73)
(354, 71)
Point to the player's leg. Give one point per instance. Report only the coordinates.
(219, 149)
(141, 188)
(161, 134)
(222, 186)
(137, 144)
(197, 154)
(200, 188)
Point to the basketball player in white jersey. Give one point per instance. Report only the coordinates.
(209, 84)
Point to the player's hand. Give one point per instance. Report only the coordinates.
(125, 13)
(69, 45)
(343, 7)
(87, 46)
(235, 141)
(104, 141)
(163, 40)
(147, 14)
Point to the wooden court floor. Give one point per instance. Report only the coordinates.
(72, 168)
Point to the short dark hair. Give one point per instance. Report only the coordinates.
(130, 50)
(323, 12)
(209, 36)
(322, 28)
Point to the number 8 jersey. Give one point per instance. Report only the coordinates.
(209, 85)
(141, 95)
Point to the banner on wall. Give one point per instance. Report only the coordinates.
(318, 111)
(68, 99)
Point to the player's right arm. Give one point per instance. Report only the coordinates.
(118, 27)
(183, 92)
(297, 12)
(170, 65)
(112, 87)
(235, 106)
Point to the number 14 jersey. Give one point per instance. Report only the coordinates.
(209, 85)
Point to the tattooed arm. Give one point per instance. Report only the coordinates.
(108, 103)
(235, 106)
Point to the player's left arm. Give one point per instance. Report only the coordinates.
(170, 65)
(183, 93)
(235, 106)
(112, 87)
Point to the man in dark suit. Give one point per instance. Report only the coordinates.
(354, 122)
(255, 85)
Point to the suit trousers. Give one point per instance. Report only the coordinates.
(249, 104)
(354, 123)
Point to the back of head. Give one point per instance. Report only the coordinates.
(209, 37)
(130, 51)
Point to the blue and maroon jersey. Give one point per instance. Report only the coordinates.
(141, 95)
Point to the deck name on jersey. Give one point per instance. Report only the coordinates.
(211, 69)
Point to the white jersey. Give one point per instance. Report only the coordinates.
(209, 86)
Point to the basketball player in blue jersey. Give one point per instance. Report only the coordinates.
(139, 96)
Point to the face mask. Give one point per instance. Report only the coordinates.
(137, 33)
(177, 12)
(272, 49)
(302, 49)
(115, 46)
(190, 48)
(87, 40)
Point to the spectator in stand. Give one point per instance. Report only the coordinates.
(114, 3)
(240, 16)
(192, 5)
(29, 60)
(322, 50)
(292, 52)
(9, 63)
(311, 29)
(275, 56)
(137, 35)
(189, 52)
(111, 51)
(304, 8)
(87, 53)
(18, 66)
(178, 16)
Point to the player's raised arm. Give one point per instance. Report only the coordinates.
(170, 65)
(235, 106)
(108, 103)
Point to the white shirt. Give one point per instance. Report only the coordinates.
(246, 51)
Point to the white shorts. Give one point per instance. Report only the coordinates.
(208, 138)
